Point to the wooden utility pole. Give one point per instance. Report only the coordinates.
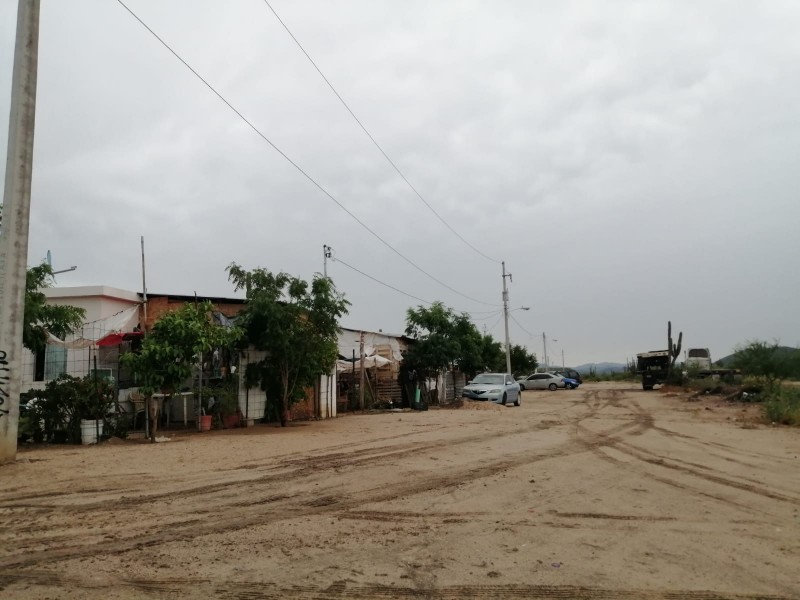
(16, 216)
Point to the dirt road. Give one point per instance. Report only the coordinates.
(601, 492)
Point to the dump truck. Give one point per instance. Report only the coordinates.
(653, 366)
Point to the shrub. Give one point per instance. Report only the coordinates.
(753, 388)
(783, 406)
(118, 426)
(707, 385)
(219, 400)
(58, 409)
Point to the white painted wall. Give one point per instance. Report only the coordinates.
(99, 302)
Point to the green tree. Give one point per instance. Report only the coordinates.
(175, 344)
(41, 317)
(492, 354)
(448, 340)
(436, 347)
(771, 362)
(295, 323)
(522, 361)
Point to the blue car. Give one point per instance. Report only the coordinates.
(571, 383)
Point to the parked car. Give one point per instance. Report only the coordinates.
(571, 383)
(542, 381)
(569, 373)
(497, 387)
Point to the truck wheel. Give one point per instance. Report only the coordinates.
(646, 386)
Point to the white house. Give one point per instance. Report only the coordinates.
(108, 310)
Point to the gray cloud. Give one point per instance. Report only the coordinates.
(631, 162)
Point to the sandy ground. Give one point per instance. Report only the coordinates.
(601, 492)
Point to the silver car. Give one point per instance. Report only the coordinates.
(542, 381)
(497, 387)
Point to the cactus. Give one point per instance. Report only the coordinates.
(673, 349)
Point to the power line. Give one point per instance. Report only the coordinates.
(294, 164)
(491, 316)
(496, 322)
(372, 139)
(520, 326)
(391, 287)
(398, 290)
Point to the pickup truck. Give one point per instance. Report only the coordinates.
(699, 359)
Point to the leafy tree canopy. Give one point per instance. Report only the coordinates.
(770, 361)
(175, 344)
(446, 339)
(522, 361)
(295, 323)
(41, 317)
(435, 329)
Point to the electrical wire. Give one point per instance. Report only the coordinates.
(294, 164)
(519, 325)
(391, 287)
(372, 139)
(496, 322)
(398, 290)
(491, 316)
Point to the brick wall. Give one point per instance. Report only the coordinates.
(157, 306)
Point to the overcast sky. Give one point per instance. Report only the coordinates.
(631, 162)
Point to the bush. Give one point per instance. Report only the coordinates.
(707, 385)
(58, 409)
(118, 426)
(783, 406)
(220, 401)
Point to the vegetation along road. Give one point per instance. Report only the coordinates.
(605, 491)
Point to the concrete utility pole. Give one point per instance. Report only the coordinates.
(505, 317)
(544, 343)
(16, 215)
(326, 254)
(361, 384)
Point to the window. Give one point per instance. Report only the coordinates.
(55, 361)
(487, 378)
(49, 363)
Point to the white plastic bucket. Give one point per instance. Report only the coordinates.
(89, 431)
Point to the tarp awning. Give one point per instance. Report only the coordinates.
(370, 362)
(115, 339)
(99, 329)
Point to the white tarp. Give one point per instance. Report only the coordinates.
(349, 343)
(370, 362)
(116, 323)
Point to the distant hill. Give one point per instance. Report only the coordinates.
(601, 367)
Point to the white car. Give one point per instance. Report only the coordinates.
(542, 381)
(496, 387)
